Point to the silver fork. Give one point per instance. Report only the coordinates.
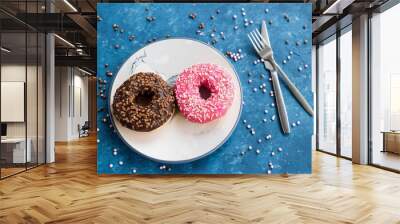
(265, 52)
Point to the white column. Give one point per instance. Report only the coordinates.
(360, 90)
(50, 99)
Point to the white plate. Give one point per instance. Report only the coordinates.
(178, 140)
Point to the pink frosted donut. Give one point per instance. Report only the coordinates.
(204, 92)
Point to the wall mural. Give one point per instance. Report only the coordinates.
(204, 88)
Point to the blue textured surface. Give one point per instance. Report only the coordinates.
(289, 27)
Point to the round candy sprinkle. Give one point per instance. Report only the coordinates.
(250, 147)
(192, 15)
(202, 26)
(115, 27)
(272, 153)
(265, 120)
(115, 153)
(98, 140)
(280, 149)
(258, 151)
(293, 124)
(286, 16)
(255, 90)
(121, 163)
(264, 90)
(243, 13)
(111, 165)
(244, 121)
(300, 69)
(134, 171)
(291, 52)
(242, 153)
(234, 16)
(259, 140)
(265, 111)
(288, 57)
(266, 10)
(150, 18)
(250, 81)
(273, 117)
(248, 126)
(269, 171)
(298, 122)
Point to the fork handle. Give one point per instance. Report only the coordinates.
(296, 93)
(280, 103)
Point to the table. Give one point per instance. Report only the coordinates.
(391, 141)
(13, 150)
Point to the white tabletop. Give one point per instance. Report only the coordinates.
(13, 140)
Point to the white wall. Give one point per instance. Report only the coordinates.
(71, 87)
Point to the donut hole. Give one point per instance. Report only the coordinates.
(144, 98)
(204, 91)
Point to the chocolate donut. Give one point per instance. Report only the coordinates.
(144, 102)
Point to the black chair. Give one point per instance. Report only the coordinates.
(84, 130)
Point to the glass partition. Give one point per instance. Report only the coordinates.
(14, 155)
(22, 77)
(385, 90)
(327, 96)
(346, 93)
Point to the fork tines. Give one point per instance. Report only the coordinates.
(257, 40)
